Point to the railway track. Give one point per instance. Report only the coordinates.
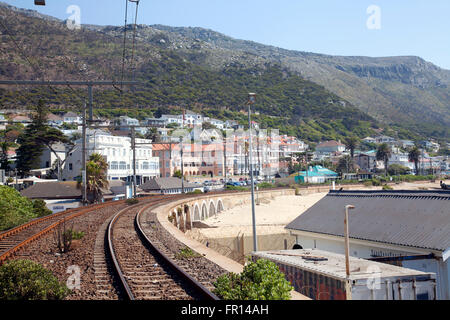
(15, 239)
(144, 271)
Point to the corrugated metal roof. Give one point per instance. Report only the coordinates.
(410, 218)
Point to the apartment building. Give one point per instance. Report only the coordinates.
(118, 153)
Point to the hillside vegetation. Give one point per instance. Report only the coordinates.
(178, 70)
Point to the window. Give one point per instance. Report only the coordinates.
(122, 165)
(70, 166)
(114, 165)
(145, 165)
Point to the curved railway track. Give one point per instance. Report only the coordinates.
(15, 239)
(144, 271)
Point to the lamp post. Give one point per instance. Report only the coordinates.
(182, 173)
(251, 100)
(347, 241)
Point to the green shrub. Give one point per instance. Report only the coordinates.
(77, 235)
(239, 188)
(131, 201)
(368, 183)
(40, 208)
(260, 280)
(14, 209)
(387, 187)
(264, 185)
(186, 253)
(376, 182)
(195, 192)
(27, 280)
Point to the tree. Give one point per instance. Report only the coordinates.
(414, 156)
(260, 280)
(383, 153)
(96, 179)
(208, 125)
(14, 209)
(345, 164)
(397, 169)
(4, 161)
(35, 137)
(177, 174)
(351, 143)
(27, 280)
(153, 135)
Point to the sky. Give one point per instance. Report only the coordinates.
(375, 28)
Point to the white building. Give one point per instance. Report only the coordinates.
(401, 159)
(407, 228)
(118, 153)
(71, 117)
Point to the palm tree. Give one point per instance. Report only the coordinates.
(383, 153)
(414, 156)
(96, 179)
(351, 143)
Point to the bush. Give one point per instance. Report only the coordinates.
(368, 183)
(27, 280)
(387, 187)
(14, 209)
(40, 208)
(264, 185)
(239, 188)
(376, 182)
(195, 192)
(260, 280)
(131, 201)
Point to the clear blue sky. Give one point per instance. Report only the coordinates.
(338, 27)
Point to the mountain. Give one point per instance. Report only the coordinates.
(396, 90)
(310, 95)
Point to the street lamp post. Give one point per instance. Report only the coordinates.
(251, 100)
(347, 241)
(182, 173)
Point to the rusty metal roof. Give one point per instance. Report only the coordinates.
(409, 218)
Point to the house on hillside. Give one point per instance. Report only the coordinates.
(72, 118)
(330, 147)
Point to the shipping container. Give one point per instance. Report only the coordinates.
(321, 275)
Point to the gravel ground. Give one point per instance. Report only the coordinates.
(45, 252)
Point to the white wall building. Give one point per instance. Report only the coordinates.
(119, 156)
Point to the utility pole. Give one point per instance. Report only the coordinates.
(83, 158)
(133, 146)
(347, 242)
(251, 100)
(182, 167)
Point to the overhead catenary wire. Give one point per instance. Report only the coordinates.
(35, 67)
(124, 45)
(133, 68)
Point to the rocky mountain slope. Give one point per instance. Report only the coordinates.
(199, 67)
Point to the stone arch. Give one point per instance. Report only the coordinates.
(212, 209)
(204, 214)
(175, 218)
(197, 216)
(187, 217)
(220, 206)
